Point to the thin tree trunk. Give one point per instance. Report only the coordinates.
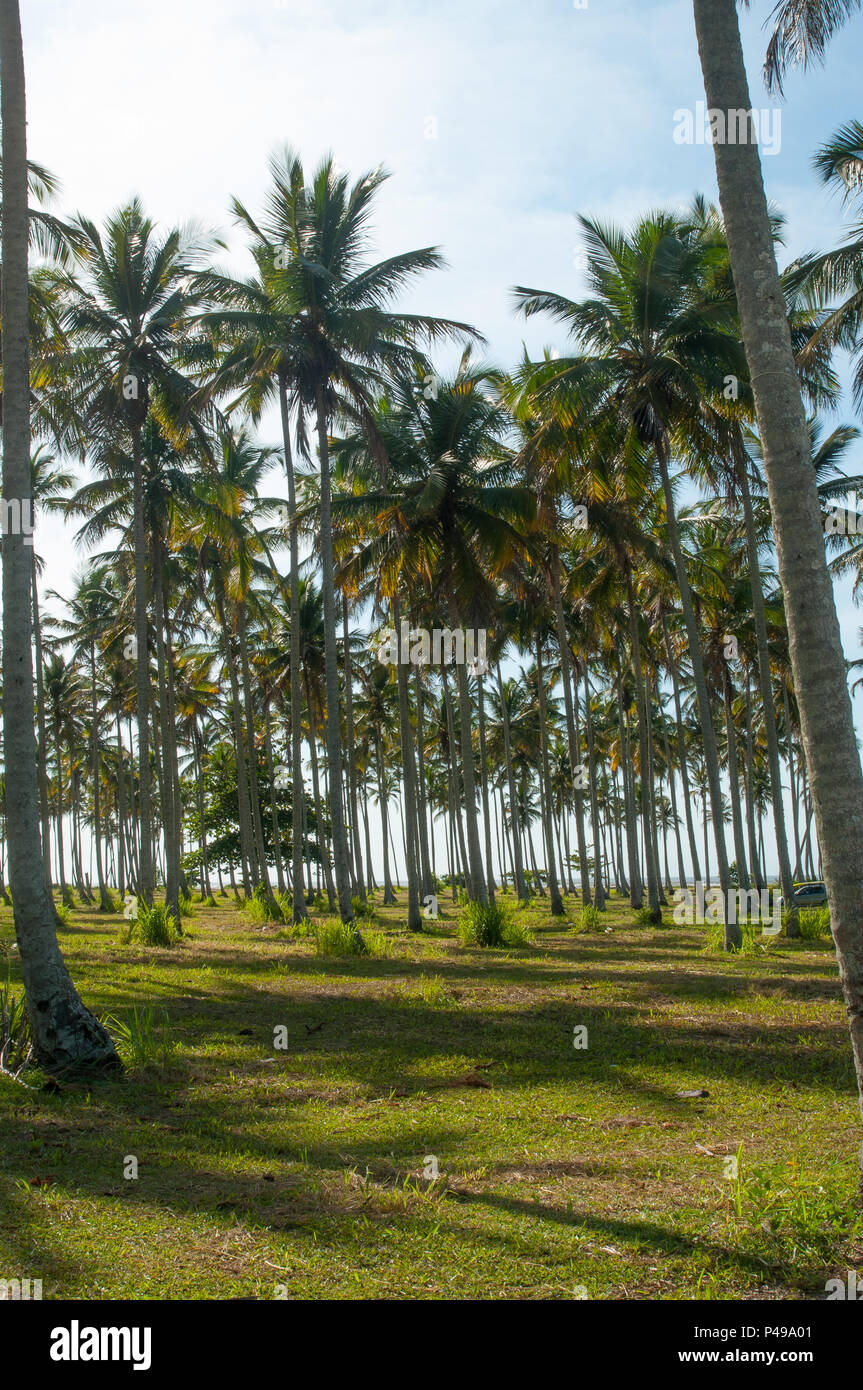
(333, 731)
(556, 901)
(733, 934)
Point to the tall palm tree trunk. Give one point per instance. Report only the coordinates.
(734, 782)
(478, 889)
(483, 773)
(518, 863)
(42, 746)
(568, 683)
(66, 1037)
(298, 901)
(352, 759)
(142, 675)
(427, 868)
(733, 935)
(817, 661)
(333, 731)
(389, 895)
(415, 921)
(556, 901)
(681, 752)
(598, 889)
(786, 880)
(105, 904)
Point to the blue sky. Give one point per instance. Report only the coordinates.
(535, 112)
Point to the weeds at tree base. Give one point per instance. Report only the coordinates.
(16, 1047)
(649, 917)
(335, 938)
(143, 1038)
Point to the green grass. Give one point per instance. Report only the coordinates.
(261, 1164)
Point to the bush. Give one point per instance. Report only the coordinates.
(491, 925)
(186, 907)
(64, 913)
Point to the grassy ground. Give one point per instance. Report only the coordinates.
(563, 1172)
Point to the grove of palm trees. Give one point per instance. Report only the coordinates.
(431, 815)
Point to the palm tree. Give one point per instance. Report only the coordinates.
(66, 1036)
(314, 244)
(661, 342)
(815, 646)
(450, 521)
(126, 316)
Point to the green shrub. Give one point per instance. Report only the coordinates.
(143, 1037)
(64, 913)
(186, 906)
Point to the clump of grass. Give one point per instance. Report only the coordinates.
(64, 913)
(152, 926)
(263, 907)
(782, 1212)
(754, 942)
(187, 908)
(15, 1040)
(588, 918)
(336, 938)
(295, 931)
(491, 925)
(815, 923)
(142, 1038)
(261, 910)
(432, 992)
(649, 917)
(362, 909)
